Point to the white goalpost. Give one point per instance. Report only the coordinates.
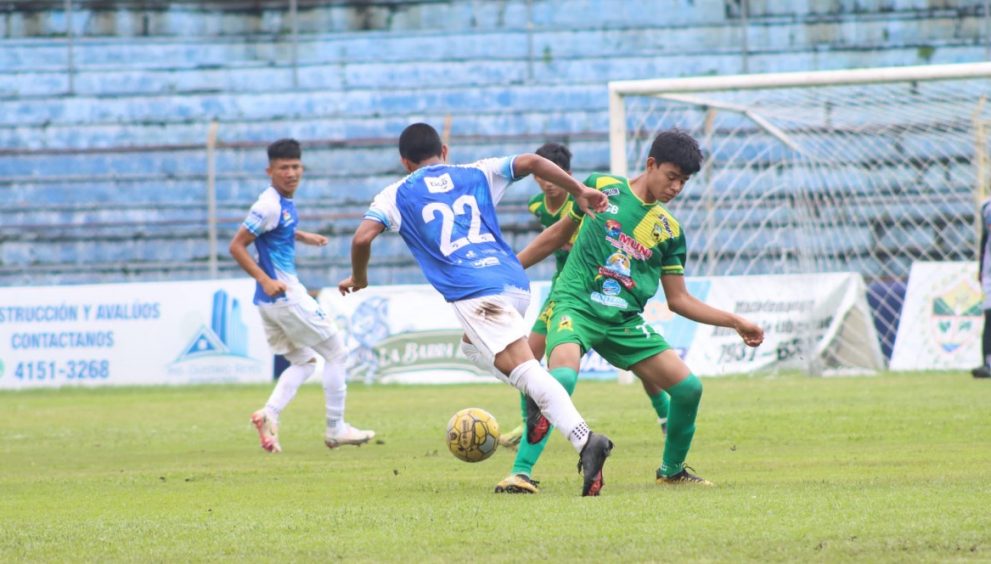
(861, 171)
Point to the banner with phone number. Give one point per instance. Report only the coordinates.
(126, 334)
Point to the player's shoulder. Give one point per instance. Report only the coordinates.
(536, 201)
(268, 200)
(602, 180)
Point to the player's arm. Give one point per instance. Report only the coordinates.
(687, 305)
(361, 253)
(239, 250)
(588, 199)
(549, 240)
(310, 238)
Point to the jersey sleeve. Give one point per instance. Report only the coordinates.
(535, 203)
(384, 209)
(499, 173)
(263, 216)
(674, 260)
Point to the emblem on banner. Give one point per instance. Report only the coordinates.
(226, 335)
(956, 312)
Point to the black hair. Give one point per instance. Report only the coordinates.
(284, 149)
(677, 147)
(557, 154)
(419, 142)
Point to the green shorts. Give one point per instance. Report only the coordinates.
(540, 325)
(622, 345)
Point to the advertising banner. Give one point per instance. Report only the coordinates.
(126, 334)
(812, 322)
(942, 318)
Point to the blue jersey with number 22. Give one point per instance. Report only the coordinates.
(446, 215)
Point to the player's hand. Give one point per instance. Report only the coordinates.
(315, 239)
(592, 201)
(350, 285)
(751, 333)
(273, 288)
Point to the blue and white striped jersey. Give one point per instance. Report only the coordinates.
(446, 215)
(273, 220)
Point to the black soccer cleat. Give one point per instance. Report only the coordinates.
(537, 426)
(683, 477)
(590, 463)
(981, 372)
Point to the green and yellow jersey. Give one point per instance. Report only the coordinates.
(618, 258)
(539, 208)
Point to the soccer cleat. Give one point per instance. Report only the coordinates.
(268, 431)
(590, 463)
(683, 477)
(518, 484)
(349, 436)
(981, 372)
(511, 440)
(537, 426)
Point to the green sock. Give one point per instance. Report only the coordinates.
(685, 398)
(527, 454)
(661, 401)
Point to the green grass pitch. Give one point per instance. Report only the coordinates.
(890, 468)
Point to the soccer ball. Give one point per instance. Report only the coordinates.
(472, 434)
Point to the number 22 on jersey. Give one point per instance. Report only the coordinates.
(464, 204)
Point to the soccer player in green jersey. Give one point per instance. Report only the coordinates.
(616, 264)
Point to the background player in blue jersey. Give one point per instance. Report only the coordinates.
(295, 325)
(446, 215)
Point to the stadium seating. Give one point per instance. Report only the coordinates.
(103, 171)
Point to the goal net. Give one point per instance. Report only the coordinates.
(858, 171)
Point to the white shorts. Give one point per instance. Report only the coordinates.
(291, 326)
(493, 322)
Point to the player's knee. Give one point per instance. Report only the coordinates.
(688, 390)
(332, 349)
(301, 357)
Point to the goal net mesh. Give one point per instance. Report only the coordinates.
(861, 177)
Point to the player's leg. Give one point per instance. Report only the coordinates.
(667, 371)
(495, 326)
(660, 401)
(302, 363)
(538, 342)
(335, 390)
(984, 370)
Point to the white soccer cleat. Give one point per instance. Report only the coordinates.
(268, 431)
(349, 436)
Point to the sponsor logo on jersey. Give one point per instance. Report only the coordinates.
(630, 246)
(619, 263)
(565, 324)
(613, 191)
(613, 228)
(439, 184)
(485, 262)
(286, 218)
(626, 281)
(611, 301)
(610, 287)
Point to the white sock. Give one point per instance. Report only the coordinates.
(335, 387)
(285, 390)
(554, 401)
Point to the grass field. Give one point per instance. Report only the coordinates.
(891, 468)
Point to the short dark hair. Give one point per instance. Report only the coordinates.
(557, 154)
(677, 147)
(419, 142)
(284, 149)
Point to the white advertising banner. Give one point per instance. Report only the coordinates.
(819, 322)
(942, 318)
(405, 334)
(128, 334)
(815, 322)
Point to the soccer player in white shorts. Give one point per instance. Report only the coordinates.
(295, 325)
(446, 215)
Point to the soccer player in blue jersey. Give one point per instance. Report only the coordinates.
(295, 325)
(446, 215)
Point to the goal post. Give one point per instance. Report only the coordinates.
(864, 170)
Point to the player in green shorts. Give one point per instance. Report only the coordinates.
(616, 264)
(548, 206)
